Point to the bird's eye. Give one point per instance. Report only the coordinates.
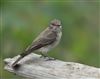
(58, 25)
(55, 24)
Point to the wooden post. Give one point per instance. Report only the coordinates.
(34, 67)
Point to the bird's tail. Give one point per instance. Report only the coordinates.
(22, 55)
(14, 64)
(27, 52)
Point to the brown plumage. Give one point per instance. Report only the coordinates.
(47, 40)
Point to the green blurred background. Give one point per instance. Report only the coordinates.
(22, 20)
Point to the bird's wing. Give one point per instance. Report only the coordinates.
(41, 42)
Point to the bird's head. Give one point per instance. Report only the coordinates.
(55, 24)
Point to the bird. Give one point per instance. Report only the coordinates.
(47, 40)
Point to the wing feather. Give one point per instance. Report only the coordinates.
(41, 42)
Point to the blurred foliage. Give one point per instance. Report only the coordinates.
(22, 20)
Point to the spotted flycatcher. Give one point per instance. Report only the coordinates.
(47, 40)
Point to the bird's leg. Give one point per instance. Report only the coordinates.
(43, 55)
(50, 58)
(46, 56)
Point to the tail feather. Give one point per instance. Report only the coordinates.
(22, 55)
(14, 64)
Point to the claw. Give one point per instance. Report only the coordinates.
(47, 57)
(50, 58)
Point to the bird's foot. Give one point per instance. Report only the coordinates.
(42, 56)
(50, 58)
(47, 57)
